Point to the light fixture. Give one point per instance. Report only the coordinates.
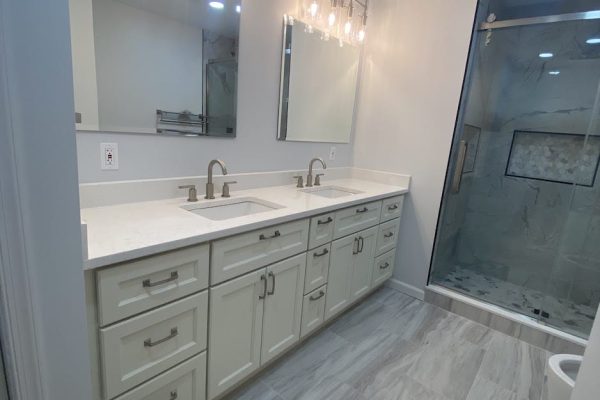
(593, 40)
(217, 5)
(313, 9)
(546, 55)
(238, 9)
(336, 19)
(331, 16)
(348, 24)
(555, 72)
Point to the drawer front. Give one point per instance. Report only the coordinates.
(317, 268)
(187, 381)
(387, 236)
(142, 347)
(131, 288)
(243, 253)
(392, 208)
(357, 218)
(313, 310)
(383, 267)
(321, 230)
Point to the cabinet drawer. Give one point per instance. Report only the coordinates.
(186, 381)
(139, 348)
(317, 268)
(313, 310)
(392, 208)
(354, 219)
(134, 287)
(243, 253)
(383, 267)
(321, 230)
(387, 236)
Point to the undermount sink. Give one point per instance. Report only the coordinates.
(231, 208)
(331, 192)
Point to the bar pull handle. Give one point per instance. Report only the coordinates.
(384, 266)
(361, 243)
(393, 207)
(355, 246)
(272, 291)
(263, 279)
(460, 164)
(327, 221)
(276, 234)
(173, 395)
(321, 254)
(317, 297)
(388, 235)
(149, 343)
(174, 276)
(362, 210)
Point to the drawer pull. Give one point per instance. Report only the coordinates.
(272, 291)
(362, 210)
(174, 276)
(264, 280)
(327, 221)
(321, 254)
(393, 207)
(173, 395)
(150, 343)
(361, 244)
(388, 235)
(276, 234)
(384, 266)
(317, 297)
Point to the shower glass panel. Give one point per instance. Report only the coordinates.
(520, 219)
(221, 94)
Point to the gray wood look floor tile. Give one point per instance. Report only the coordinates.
(255, 390)
(483, 389)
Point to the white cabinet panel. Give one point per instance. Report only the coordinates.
(313, 310)
(340, 275)
(236, 255)
(354, 219)
(187, 381)
(139, 348)
(387, 236)
(321, 230)
(317, 267)
(130, 288)
(391, 208)
(283, 306)
(383, 267)
(236, 314)
(363, 262)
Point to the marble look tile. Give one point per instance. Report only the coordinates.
(402, 388)
(484, 389)
(254, 390)
(391, 297)
(358, 323)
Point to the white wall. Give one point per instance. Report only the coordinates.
(416, 54)
(587, 385)
(254, 149)
(40, 91)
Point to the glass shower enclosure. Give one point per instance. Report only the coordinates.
(519, 225)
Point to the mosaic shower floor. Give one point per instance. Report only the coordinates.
(574, 318)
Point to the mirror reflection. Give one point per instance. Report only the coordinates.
(156, 66)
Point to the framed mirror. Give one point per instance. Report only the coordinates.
(156, 66)
(319, 77)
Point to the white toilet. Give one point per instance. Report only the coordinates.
(561, 372)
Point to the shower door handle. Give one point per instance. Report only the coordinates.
(460, 164)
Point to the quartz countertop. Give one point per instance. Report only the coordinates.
(124, 232)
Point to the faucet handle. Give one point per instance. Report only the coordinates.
(225, 192)
(192, 193)
(300, 181)
(318, 179)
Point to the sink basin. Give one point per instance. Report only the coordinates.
(231, 208)
(331, 192)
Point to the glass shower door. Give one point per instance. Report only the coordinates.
(522, 154)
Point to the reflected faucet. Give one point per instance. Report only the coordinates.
(309, 178)
(210, 187)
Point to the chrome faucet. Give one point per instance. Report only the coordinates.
(210, 187)
(309, 178)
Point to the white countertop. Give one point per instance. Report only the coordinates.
(124, 232)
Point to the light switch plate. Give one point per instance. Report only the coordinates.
(109, 156)
(332, 153)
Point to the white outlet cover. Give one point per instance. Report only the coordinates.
(109, 156)
(332, 151)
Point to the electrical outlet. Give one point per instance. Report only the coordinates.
(109, 156)
(332, 153)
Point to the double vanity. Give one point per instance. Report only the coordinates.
(187, 299)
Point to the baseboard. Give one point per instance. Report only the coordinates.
(405, 288)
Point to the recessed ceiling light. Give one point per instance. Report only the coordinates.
(553, 72)
(238, 9)
(546, 55)
(593, 40)
(217, 4)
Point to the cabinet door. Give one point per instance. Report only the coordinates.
(313, 310)
(363, 262)
(236, 313)
(387, 236)
(321, 230)
(283, 306)
(384, 267)
(317, 268)
(340, 274)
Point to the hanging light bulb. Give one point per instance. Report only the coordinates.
(331, 17)
(348, 24)
(313, 9)
(362, 32)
